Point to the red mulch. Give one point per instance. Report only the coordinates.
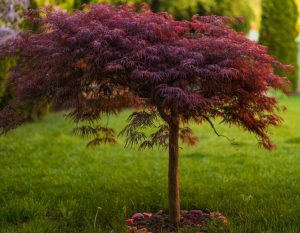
(155, 223)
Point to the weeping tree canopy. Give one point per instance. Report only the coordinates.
(106, 58)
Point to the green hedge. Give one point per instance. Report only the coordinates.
(278, 32)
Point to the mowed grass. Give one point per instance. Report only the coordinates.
(50, 182)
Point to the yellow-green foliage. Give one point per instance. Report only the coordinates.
(3, 67)
(278, 32)
(237, 8)
(182, 9)
(64, 4)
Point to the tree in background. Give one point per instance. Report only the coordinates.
(234, 9)
(106, 58)
(278, 32)
(182, 9)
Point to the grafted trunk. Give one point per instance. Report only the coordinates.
(174, 201)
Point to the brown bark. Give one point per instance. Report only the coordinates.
(174, 201)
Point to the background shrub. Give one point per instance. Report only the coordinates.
(278, 32)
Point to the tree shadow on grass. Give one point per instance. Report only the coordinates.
(197, 155)
(293, 140)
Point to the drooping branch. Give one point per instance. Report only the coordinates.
(214, 129)
(138, 121)
(159, 138)
(99, 134)
(186, 136)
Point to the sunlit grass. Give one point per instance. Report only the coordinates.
(50, 182)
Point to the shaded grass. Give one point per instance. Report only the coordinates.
(50, 182)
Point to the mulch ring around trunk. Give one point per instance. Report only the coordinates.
(194, 220)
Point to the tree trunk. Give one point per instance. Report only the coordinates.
(174, 201)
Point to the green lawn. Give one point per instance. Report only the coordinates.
(50, 182)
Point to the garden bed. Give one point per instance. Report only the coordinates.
(194, 220)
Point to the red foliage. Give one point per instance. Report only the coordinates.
(106, 58)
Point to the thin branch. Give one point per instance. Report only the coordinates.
(214, 129)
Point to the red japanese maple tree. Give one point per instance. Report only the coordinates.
(106, 58)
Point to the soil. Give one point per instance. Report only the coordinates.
(194, 220)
